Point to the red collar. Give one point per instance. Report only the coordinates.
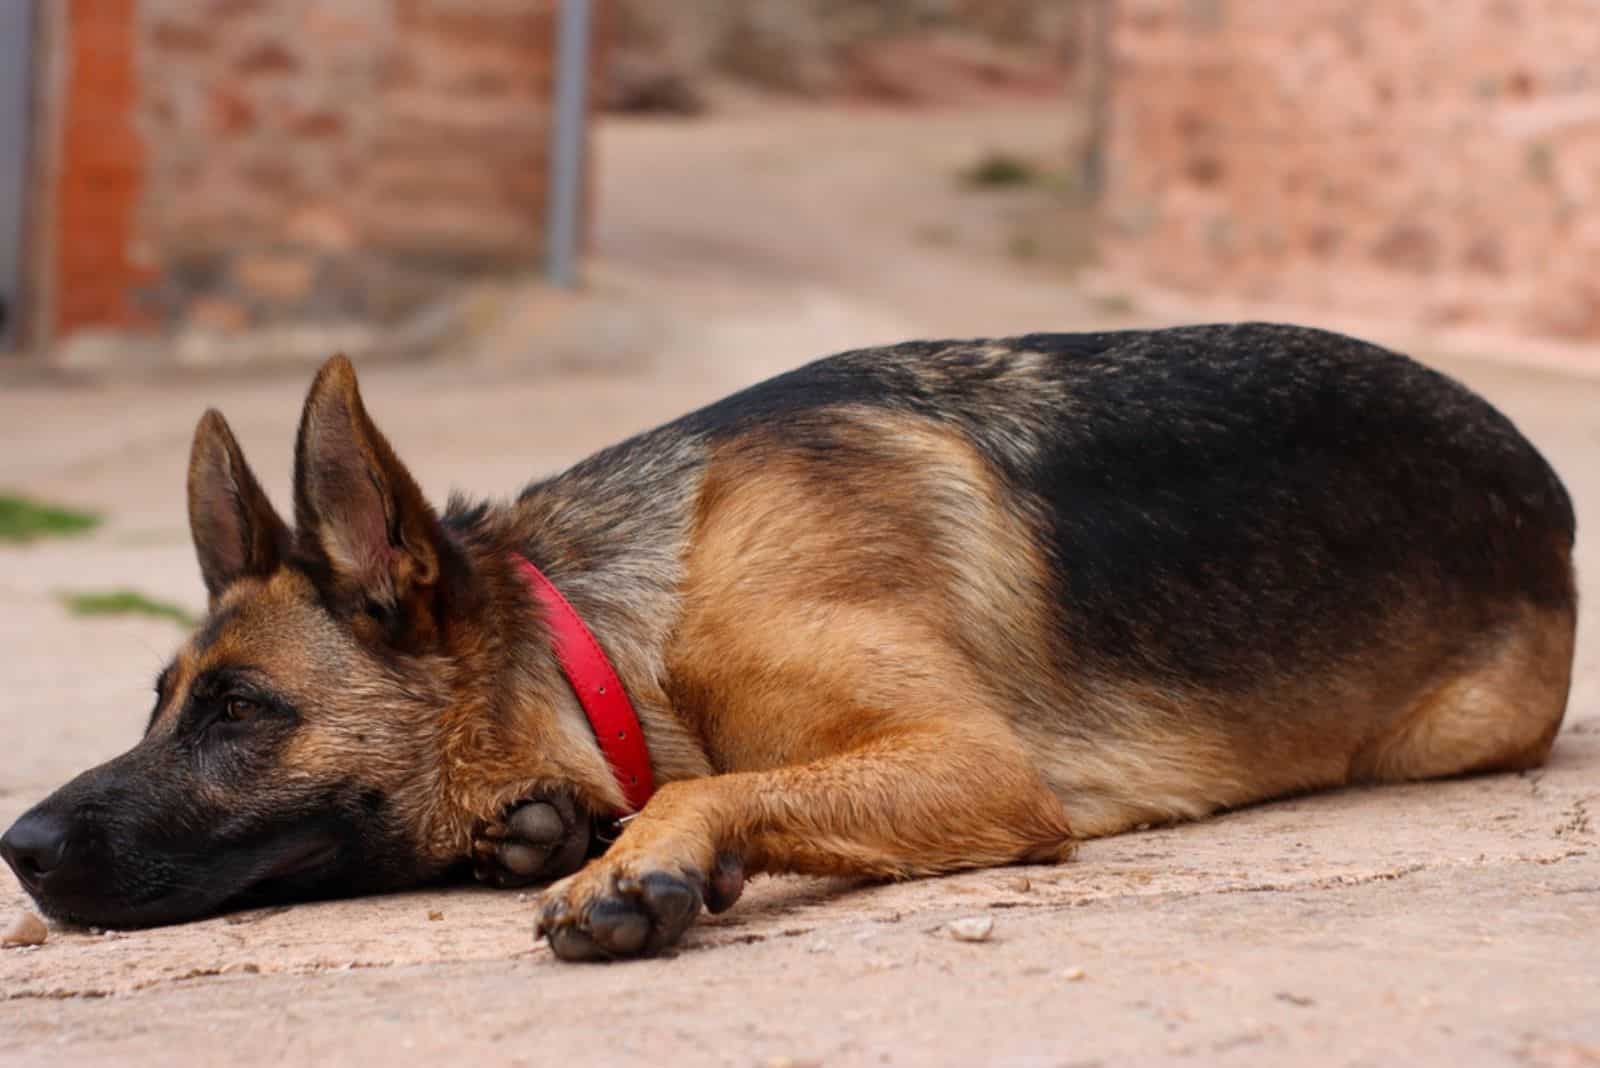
(600, 692)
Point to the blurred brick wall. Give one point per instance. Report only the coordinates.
(245, 163)
(666, 52)
(101, 170)
(1433, 160)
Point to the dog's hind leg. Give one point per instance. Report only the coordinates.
(1500, 713)
(912, 802)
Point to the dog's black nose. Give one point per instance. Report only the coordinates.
(35, 846)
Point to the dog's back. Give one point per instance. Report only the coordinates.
(1198, 567)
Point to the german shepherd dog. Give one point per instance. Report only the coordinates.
(903, 611)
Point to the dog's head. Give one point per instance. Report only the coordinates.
(295, 746)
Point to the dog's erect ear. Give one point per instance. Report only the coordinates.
(235, 528)
(357, 507)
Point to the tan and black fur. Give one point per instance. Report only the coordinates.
(903, 611)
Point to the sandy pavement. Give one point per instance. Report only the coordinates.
(1448, 923)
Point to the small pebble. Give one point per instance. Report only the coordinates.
(1022, 884)
(1073, 975)
(241, 967)
(972, 929)
(27, 930)
(435, 914)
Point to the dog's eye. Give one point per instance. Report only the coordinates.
(237, 709)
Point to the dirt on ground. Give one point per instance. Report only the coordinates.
(1441, 923)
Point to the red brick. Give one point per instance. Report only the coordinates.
(284, 278)
(174, 36)
(317, 125)
(231, 112)
(266, 57)
(101, 169)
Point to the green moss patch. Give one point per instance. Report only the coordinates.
(125, 603)
(23, 519)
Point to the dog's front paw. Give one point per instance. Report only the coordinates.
(614, 910)
(539, 840)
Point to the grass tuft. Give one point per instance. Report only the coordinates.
(1114, 303)
(125, 603)
(24, 520)
(1023, 247)
(998, 170)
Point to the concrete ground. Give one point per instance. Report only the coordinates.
(1444, 923)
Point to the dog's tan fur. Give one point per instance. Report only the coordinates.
(830, 764)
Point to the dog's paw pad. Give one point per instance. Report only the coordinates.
(639, 917)
(619, 927)
(537, 823)
(727, 883)
(537, 841)
(673, 904)
(575, 944)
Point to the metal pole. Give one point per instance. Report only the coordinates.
(16, 161)
(1098, 98)
(566, 144)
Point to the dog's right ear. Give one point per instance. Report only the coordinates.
(236, 531)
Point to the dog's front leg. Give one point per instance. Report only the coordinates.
(915, 802)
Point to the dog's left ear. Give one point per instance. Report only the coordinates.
(359, 510)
